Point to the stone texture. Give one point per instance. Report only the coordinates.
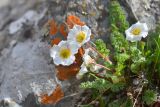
(25, 67)
(145, 10)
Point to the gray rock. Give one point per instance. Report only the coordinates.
(145, 11)
(25, 68)
(26, 63)
(3, 40)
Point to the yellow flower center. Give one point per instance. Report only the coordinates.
(136, 31)
(81, 36)
(65, 53)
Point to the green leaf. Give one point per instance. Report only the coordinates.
(117, 16)
(116, 103)
(99, 84)
(122, 57)
(119, 69)
(149, 97)
(101, 47)
(128, 103)
(117, 87)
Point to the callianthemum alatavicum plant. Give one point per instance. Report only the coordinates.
(134, 72)
(125, 69)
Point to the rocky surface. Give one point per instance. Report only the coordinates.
(145, 10)
(25, 67)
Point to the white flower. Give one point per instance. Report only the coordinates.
(63, 53)
(136, 32)
(94, 68)
(86, 58)
(86, 61)
(82, 71)
(79, 34)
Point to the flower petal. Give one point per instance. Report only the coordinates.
(144, 34)
(83, 69)
(57, 60)
(74, 47)
(54, 50)
(68, 61)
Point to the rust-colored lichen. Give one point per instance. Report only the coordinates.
(55, 41)
(74, 20)
(63, 30)
(54, 97)
(53, 27)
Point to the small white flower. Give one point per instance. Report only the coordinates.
(79, 34)
(63, 53)
(86, 61)
(94, 68)
(86, 58)
(82, 71)
(136, 32)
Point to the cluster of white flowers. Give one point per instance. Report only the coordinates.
(88, 63)
(136, 32)
(64, 52)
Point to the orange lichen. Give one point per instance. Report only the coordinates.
(53, 27)
(55, 41)
(56, 95)
(66, 72)
(63, 30)
(74, 20)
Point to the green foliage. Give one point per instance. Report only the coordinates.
(139, 60)
(117, 16)
(122, 102)
(127, 103)
(101, 47)
(99, 84)
(102, 85)
(116, 103)
(120, 46)
(153, 53)
(118, 25)
(117, 87)
(118, 40)
(121, 58)
(149, 97)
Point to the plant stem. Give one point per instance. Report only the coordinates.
(134, 104)
(101, 66)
